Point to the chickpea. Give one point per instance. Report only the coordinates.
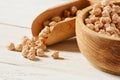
(66, 13)
(55, 55)
(11, 46)
(40, 52)
(56, 19)
(73, 10)
(19, 47)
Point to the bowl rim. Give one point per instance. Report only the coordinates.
(81, 14)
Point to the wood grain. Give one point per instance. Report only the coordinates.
(64, 29)
(101, 50)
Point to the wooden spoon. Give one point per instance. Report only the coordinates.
(63, 29)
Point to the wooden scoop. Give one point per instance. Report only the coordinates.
(63, 29)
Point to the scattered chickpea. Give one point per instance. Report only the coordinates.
(31, 56)
(24, 40)
(40, 52)
(32, 50)
(30, 43)
(25, 52)
(34, 38)
(36, 45)
(11, 46)
(19, 47)
(42, 46)
(55, 55)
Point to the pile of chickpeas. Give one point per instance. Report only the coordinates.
(35, 46)
(104, 18)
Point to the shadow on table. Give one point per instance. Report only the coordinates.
(68, 45)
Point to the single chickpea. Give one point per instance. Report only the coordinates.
(94, 19)
(51, 28)
(118, 25)
(88, 21)
(30, 43)
(91, 16)
(96, 28)
(107, 25)
(42, 39)
(62, 18)
(107, 33)
(66, 13)
(90, 26)
(11, 46)
(73, 10)
(25, 52)
(113, 25)
(31, 56)
(45, 35)
(52, 23)
(97, 5)
(24, 40)
(115, 18)
(55, 55)
(105, 13)
(56, 19)
(46, 23)
(102, 31)
(110, 29)
(40, 52)
(108, 9)
(45, 32)
(19, 47)
(67, 18)
(96, 11)
(116, 8)
(105, 20)
(42, 46)
(32, 50)
(115, 35)
(35, 38)
(99, 24)
(106, 2)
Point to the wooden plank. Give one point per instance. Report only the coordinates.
(74, 66)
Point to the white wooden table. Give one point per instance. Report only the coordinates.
(16, 17)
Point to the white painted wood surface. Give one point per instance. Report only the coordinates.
(14, 67)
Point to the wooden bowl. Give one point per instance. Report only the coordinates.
(101, 51)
